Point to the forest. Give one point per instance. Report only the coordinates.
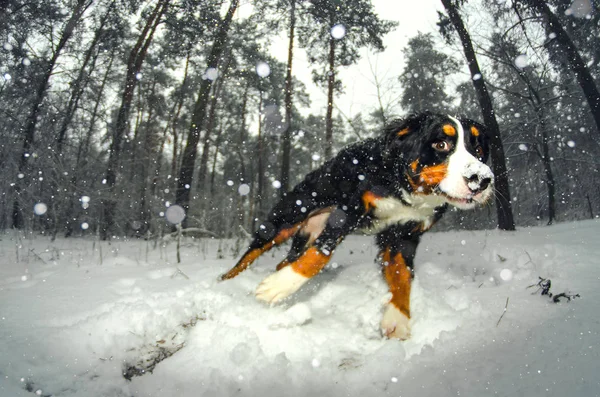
(113, 111)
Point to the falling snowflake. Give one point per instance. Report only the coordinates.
(276, 184)
(522, 61)
(523, 147)
(85, 225)
(506, 274)
(571, 143)
(244, 189)
(40, 209)
(211, 74)
(263, 69)
(338, 31)
(580, 8)
(477, 76)
(175, 214)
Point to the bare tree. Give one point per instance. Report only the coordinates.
(503, 204)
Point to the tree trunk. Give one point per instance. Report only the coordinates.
(259, 196)
(186, 172)
(243, 174)
(286, 137)
(134, 65)
(148, 155)
(550, 183)
(503, 204)
(40, 94)
(78, 85)
(213, 172)
(330, 89)
(582, 73)
(180, 99)
(210, 124)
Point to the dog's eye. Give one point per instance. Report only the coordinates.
(479, 153)
(442, 146)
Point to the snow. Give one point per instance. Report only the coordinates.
(338, 31)
(40, 209)
(73, 312)
(244, 189)
(175, 214)
(263, 69)
(522, 61)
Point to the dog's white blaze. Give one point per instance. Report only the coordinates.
(280, 285)
(462, 164)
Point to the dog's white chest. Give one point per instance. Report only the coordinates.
(389, 211)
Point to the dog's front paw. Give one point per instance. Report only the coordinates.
(280, 285)
(395, 324)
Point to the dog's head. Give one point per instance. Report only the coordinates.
(443, 156)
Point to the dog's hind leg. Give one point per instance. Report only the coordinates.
(309, 231)
(259, 246)
(284, 221)
(297, 269)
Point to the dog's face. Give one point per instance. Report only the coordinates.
(443, 156)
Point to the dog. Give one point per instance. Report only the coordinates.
(396, 186)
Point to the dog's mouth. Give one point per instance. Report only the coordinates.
(466, 200)
(469, 200)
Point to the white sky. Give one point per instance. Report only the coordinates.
(360, 91)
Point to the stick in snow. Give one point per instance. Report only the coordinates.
(503, 313)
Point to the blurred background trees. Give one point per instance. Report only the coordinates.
(112, 110)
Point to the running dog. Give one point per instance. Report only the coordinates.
(395, 186)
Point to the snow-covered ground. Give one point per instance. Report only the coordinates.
(75, 312)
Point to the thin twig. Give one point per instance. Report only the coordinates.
(37, 256)
(503, 313)
(179, 272)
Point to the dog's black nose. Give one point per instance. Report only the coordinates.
(481, 184)
(485, 182)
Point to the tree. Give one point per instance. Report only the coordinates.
(503, 203)
(333, 36)
(136, 58)
(532, 90)
(423, 78)
(186, 172)
(576, 62)
(40, 93)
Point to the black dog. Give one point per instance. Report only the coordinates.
(395, 186)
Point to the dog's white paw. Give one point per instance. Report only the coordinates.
(280, 285)
(395, 324)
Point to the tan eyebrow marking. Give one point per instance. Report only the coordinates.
(449, 130)
(403, 132)
(474, 131)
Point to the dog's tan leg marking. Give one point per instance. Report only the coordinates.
(290, 278)
(315, 224)
(252, 255)
(395, 322)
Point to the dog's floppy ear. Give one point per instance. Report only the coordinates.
(400, 129)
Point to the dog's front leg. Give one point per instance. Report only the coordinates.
(398, 245)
